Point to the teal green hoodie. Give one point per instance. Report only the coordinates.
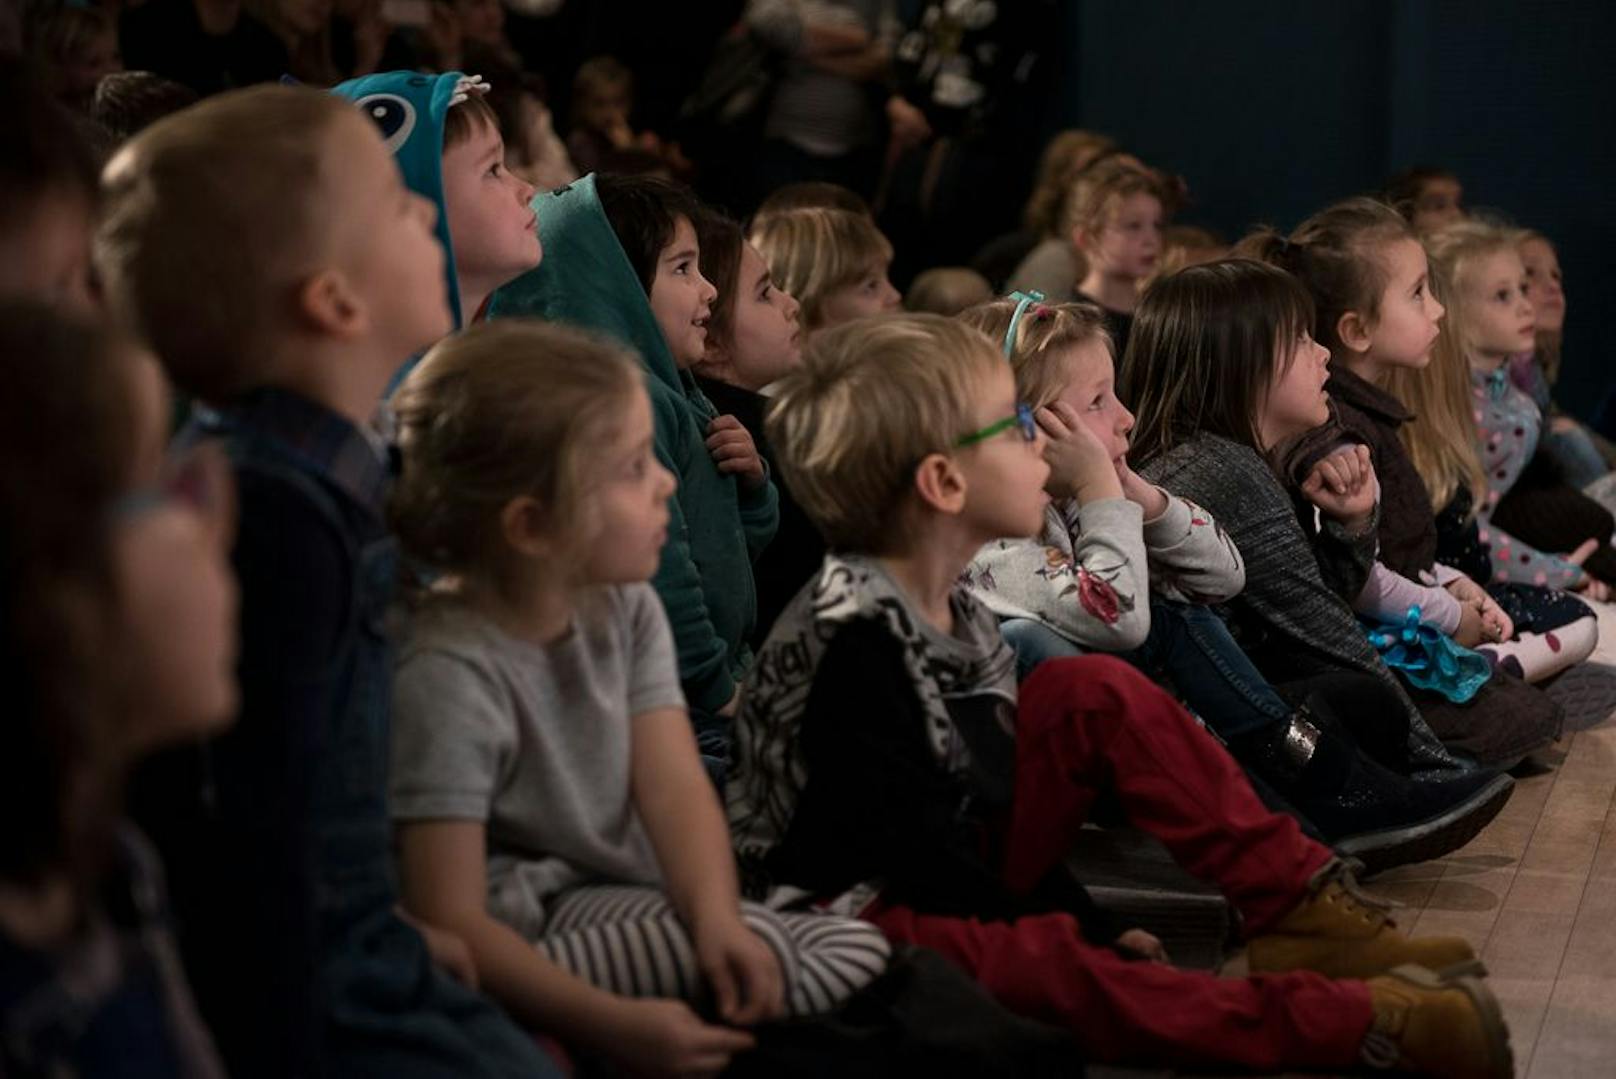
(717, 529)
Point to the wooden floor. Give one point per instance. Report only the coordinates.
(1536, 894)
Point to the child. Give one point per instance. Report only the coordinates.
(754, 338)
(128, 102)
(623, 259)
(1227, 371)
(47, 196)
(1527, 510)
(76, 45)
(1115, 219)
(947, 290)
(98, 564)
(1109, 538)
(599, 138)
(1428, 198)
(1378, 315)
(1567, 442)
(887, 761)
(834, 262)
(540, 719)
(280, 289)
(1040, 257)
(447, 143)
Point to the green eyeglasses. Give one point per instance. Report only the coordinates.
(1022, 419)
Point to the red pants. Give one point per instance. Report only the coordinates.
(1095, 723)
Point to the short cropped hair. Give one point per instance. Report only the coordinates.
(128, 102)
(947, 290)
(643, 211)
(465, 119)
(813, 252)
(214, 216)
(872, 399)
(1045, 336)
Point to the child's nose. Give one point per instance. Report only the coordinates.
(1125, 424)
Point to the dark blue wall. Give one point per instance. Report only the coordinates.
(1271, 109)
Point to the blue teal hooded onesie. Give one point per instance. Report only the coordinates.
(717, 527)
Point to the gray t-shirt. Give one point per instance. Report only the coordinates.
(534, 741)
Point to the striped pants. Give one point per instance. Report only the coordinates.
(629, 941)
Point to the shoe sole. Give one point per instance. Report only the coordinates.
(1442, 834)
(1501, 1055)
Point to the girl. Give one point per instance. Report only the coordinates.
(754, 338)
(550, 801)
(1378, 315)
(1428, 198)
(1223, 369)
(118, 637)
(1568, 443)
(1045, 259)
(1115, 218)
(1527, 510)
(1110, 537)
(834, 262)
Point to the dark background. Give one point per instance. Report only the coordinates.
(1271, 109)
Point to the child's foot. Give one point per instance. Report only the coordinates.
(1340, 932)
(1431, 1025)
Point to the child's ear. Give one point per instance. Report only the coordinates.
(330, 304)
(523, 526)
(1352, 330)
(940, 484)
(1081, 238)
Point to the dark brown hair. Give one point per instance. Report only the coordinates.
(720, 239)
(1403, 190)
(465, 119)
(58, 763)
(643, 212)
(1204, 349)
(1338, 255)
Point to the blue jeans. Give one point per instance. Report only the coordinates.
(1579, 459)
(1191, 647)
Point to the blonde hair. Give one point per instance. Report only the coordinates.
(214, 216)
(1065, 155)
(814, 251)
(947, 290)
(1045, 337)
(1548, 341)
(504, 409)
(1441, 438)
(1186, 245)
(872, 399)
(1453, 253)
(1097, 190)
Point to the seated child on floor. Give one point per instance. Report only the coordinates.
(1122, 566)
(279, 278)
(623, 258)
(100, 561)
(887, 762)
(550, 803)
(834, 262)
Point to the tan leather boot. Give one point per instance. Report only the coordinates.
(1434, 1026)
(1340, 932)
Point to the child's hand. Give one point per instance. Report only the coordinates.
(742, 970)
(446, 949)
(665, 1037)
(1149, 497)
(1079, 464)
(1142, 944)
(1471, 631)
(1496, 625)
(734, 451)
(1342, 486)
(1591, 587)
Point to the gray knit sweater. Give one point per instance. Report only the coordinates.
(1289, 620)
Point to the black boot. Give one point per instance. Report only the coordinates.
(1361, 808)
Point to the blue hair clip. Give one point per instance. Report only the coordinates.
(1023, 300)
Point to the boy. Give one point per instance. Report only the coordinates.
(623, 259)
(447, 143)
(280, 277)
(881, 740)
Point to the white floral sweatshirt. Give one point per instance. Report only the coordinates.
(1088, 575)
